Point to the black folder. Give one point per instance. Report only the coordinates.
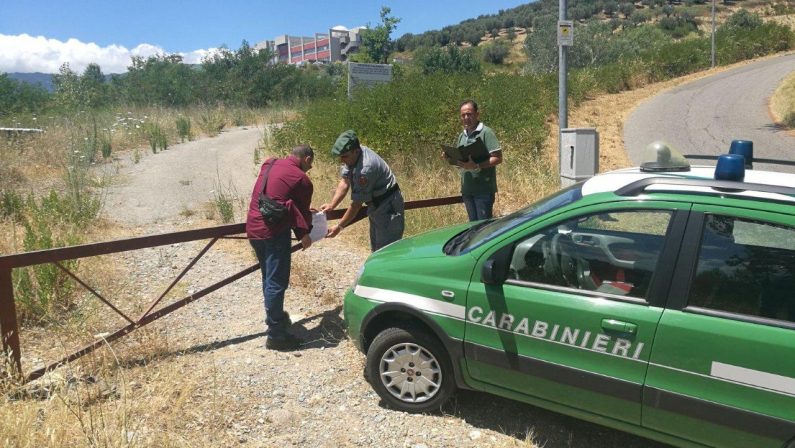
(477, 150)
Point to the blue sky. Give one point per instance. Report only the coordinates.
(41, 35)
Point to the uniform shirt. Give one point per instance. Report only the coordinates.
(484, 180)
(370, 177)
(289, 185)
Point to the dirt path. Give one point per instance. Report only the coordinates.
(232, 390)
(183, 178)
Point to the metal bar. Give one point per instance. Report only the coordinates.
(109, 247)
(8, 320)
(92, 291)
(8, 315)
(179, 277)
(146, 320)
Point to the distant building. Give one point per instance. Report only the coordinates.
(333, 46)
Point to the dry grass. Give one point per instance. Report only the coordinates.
(117, 399)
(782, 103)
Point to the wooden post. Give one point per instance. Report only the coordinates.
(8, 320)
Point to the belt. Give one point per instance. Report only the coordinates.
(377, 200)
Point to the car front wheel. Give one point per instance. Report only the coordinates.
(410, 370)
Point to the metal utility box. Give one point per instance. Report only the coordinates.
(579, 154)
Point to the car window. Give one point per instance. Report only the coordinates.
(612, 253)
(493, 229)
(745, 267)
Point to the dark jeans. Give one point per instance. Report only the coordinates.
(274, 258)
(479, 206)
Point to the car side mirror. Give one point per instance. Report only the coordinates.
(495, 269)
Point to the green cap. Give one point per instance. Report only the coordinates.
(345, 142)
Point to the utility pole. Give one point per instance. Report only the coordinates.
(562, 73)
(563, 116)
(713, 33)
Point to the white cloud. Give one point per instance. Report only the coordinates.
(25, 53)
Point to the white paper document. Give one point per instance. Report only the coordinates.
(319, 226)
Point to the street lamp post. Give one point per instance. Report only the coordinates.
(713, 33)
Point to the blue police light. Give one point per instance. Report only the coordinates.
(730, 167)
(744, 148)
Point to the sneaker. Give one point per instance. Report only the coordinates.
(284, 341)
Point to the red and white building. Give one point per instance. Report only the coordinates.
(333, 46)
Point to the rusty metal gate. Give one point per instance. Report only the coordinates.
(9, 325)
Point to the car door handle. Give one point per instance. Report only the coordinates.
(619, 326)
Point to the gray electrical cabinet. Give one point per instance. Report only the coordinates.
(579, 155)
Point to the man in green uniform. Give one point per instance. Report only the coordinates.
(371, 182)
(478, 178)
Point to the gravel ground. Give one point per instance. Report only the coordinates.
(313, 397)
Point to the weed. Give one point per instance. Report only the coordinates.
(157, 137)
(257, 155)
(243, 116)
(136, 156)
(184, 128)
(211, 121)
(11, 205)
(186, 212)
(224, 201)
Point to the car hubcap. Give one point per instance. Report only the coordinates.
(410, 373)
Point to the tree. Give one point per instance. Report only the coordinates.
(376, 42)
(18, 96)
(68, 89)
(93, 87)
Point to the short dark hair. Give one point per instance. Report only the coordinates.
(472, 102)
(302, 151)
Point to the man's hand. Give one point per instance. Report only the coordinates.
(334, 231)
(468, 165)
(326, 207)
(306, 242)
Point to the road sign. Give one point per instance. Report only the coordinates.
(565, 33)
(367, 75)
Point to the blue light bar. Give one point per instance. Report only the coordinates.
(730, 167)
(744, 148)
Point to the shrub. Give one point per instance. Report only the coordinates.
(450, 59)
(744, 19)
(496, 52)
(789, 120)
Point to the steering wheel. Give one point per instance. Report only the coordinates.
(563, 265)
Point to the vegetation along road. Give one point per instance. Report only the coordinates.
(704, 116)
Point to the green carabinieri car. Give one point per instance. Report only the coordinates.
(658, 302)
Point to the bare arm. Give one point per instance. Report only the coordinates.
(339, 194)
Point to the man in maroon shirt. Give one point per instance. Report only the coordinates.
(288, 184)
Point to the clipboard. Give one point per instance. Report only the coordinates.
(477, 150)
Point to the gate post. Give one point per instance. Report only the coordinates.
(8, 320)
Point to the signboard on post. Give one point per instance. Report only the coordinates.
(565, 33)
(367, 75)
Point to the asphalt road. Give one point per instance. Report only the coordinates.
(704, 116)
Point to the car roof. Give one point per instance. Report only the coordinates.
(757, 184)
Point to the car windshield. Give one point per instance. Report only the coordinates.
(488, 230)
